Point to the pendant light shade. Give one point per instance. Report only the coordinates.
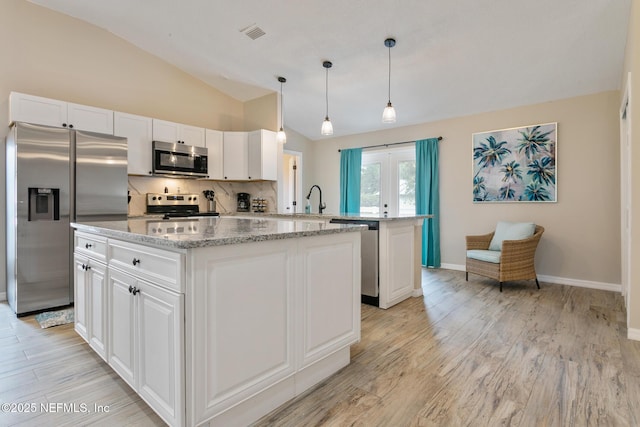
(389, 113)
(327, 127)
(281, 136)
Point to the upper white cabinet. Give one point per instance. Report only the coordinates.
(139, 134)
(235, 155)
(263, 155)
(250, 155)
(84, 117)
(177, 132)
(51, 112)
(38, 110)
(215, 148)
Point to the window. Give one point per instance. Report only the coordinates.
(388, 182)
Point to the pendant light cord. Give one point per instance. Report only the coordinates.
(281, 108)
(326, 91)
(389, 49)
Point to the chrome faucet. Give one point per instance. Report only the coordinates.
(321, 206)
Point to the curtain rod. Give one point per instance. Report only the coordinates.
(392, 143)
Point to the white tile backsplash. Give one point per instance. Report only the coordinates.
(225, 192)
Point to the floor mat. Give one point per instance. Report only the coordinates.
(55, 318)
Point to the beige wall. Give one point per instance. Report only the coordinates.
(632, 65)
(582, 238)
(261, 113)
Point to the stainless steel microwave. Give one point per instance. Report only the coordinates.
(179, 159)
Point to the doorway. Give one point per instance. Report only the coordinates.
(388, 182)
(291, 182)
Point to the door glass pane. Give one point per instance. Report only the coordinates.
(407, 187)
(370, 188)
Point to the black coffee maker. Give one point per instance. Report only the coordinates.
(243, 202)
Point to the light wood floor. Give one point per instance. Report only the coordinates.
(464, 354)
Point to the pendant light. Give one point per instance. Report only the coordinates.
(327, 127)
(389, 113)
(281, 136)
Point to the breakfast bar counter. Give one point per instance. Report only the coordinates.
(218, 321)
(186, 233)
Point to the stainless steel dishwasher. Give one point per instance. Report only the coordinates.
(369, 288)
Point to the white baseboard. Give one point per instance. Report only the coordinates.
(633, 334)
(457, 267)
(3, 296)
(417, 293)
(581, 283)
(615, 287)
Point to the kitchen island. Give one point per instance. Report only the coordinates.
(218, 321)
(391, 255)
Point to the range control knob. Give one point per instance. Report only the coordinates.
(154, 198)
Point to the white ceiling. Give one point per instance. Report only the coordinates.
(452, 58)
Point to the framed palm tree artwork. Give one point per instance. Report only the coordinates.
(515, 165)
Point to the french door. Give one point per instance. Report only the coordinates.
(388, 182)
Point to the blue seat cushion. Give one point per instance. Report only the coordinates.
(511, 231)
(484, 255)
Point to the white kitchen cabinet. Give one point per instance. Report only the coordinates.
(80, 294)
(52, 112)
(146, 324)
(236, 155)
(158, 266)
(146, 342)
(328, 290)
(139, 133)
(37, 110)
(215, 147)
(90, 297)
(177, 132)
(263, 155)
(93, 119)
(398, 258)
(90, 302)
(250, 155)
(122, 334)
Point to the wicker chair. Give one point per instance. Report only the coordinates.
(516, 260)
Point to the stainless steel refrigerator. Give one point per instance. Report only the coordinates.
(56, 176)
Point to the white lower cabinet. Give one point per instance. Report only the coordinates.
(90, 302)
(146, 342)
(399, 266)
(229, 333)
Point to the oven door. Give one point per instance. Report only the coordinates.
(179, 159)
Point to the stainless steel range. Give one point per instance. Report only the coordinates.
(173, 205)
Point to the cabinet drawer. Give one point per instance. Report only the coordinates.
(160, 267)
(91, 245)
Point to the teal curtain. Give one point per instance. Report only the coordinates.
(428, 199)
(350, 165)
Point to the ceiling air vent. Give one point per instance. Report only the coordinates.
(253, 31)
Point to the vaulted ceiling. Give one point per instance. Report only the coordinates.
(452, 58)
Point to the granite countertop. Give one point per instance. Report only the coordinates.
(186, 233)
(330, 216)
